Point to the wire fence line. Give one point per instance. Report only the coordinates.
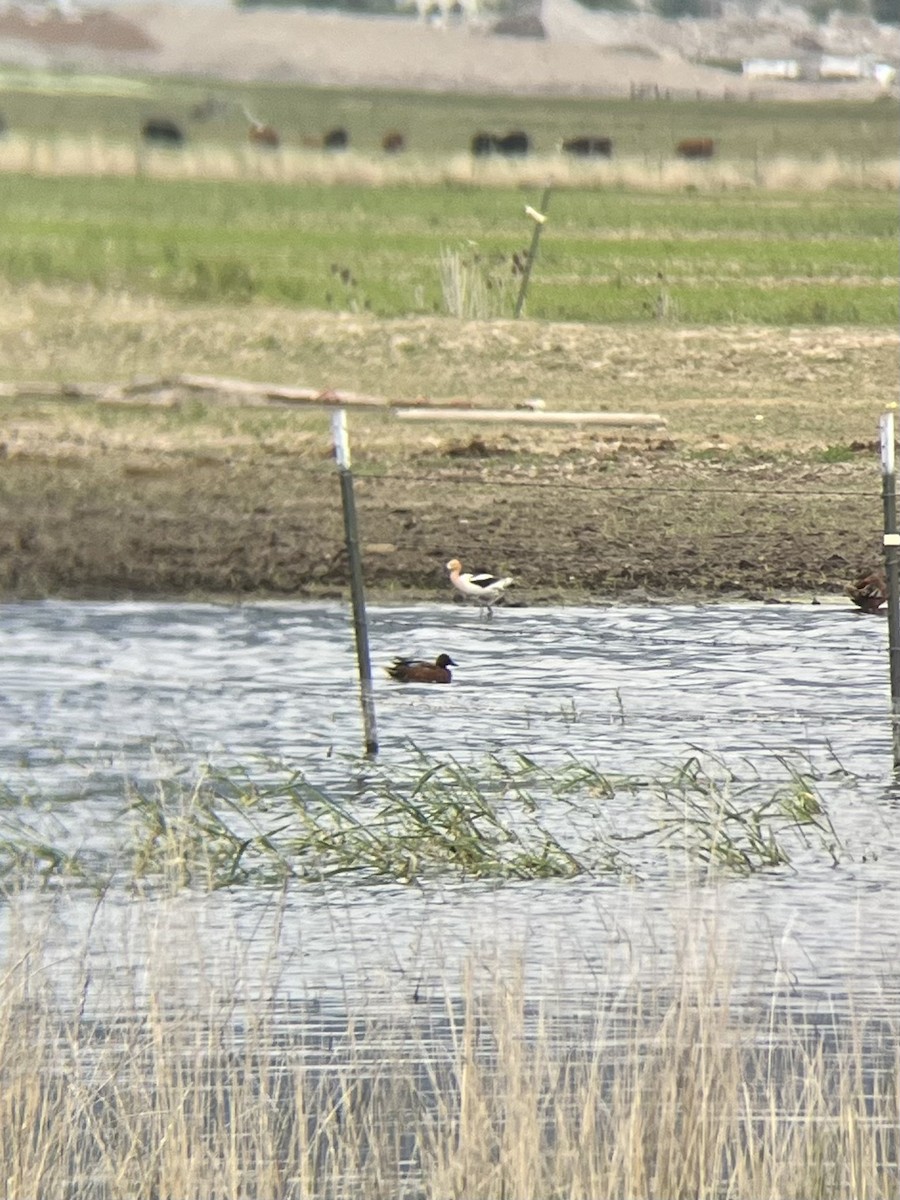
(644, 489)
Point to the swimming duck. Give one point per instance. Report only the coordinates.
(483, 588)
(407, 670)
(869, 591)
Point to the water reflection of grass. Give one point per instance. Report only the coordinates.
(502, 818)
(190, 1088)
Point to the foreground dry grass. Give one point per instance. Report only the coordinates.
(765, 481)
(189, 1087)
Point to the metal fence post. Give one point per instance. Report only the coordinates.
(357, 593)
(892, 572)
(539, 219)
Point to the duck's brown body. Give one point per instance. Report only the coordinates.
(407, 670)
(869, 592)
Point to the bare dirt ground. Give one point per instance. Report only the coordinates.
(765, 484)
(633, 522)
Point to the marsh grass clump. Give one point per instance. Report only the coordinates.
(706, 813)
(502, 818)
(443, 818)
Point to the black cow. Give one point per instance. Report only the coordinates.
(510, 144)
(588, 147)
(482, 144)
(514, 143)
(162, 131)
(336, 139)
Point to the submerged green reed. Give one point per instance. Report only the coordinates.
(507, 818)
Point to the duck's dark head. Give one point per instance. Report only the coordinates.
(444, 660)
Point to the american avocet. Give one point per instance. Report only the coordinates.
(869, 592)
(407, 670)
(483, 588)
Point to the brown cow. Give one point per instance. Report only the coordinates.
(393, 142)
(264, 135)
(696, 148)
(259, 133)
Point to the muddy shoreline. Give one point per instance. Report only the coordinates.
(764, 484)
(650, 526)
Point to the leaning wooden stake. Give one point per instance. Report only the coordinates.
(539, 219)
(892, 572)
(357, 593)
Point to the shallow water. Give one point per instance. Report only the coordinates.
(94, 694)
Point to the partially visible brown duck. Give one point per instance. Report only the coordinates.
(407, 670)
(869, 592)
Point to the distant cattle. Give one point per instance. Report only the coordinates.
(162, 131)
(513, 143)
(336, 139)
(510, 144)
(393, 142)
(696, 148)
(482, 144)
(258, 132)
(588, 147)
(264, 135)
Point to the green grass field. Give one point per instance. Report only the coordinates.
(794, 222)
(605, 255)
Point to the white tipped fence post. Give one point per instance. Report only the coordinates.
(357, 593)
(540, 219)
(892, 572)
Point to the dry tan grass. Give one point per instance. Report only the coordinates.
(188, 1087)
(71, 156)
(761, 388)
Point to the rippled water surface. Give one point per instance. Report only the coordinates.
(93, 695)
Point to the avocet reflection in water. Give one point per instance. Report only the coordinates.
(94, 695)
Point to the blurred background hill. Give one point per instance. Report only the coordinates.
(600, 47)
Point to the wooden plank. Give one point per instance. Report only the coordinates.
(324, 398)
(528, 417)
(164, 392)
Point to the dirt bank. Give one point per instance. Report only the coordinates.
(635, 518)
(765, 482)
